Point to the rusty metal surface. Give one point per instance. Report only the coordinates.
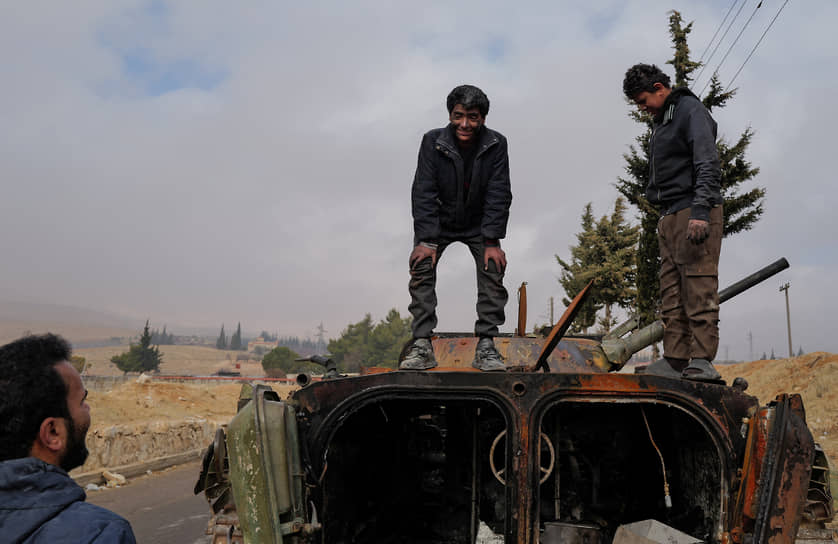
(785, 473)
(561, 327)
(521, 329)
(322, 408)
(571, 355)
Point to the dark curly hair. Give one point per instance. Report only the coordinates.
(642, 77)
(470, 97)
(31, 390)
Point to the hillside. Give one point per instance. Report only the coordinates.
(814, 376)
(177, 360)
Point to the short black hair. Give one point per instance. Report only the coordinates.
(31, 390)
(469, 97)
(642, 77)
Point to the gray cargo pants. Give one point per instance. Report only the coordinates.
(491, 294)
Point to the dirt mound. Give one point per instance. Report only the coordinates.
(814, 376)
(140, 403)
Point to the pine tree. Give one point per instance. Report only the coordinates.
(604, 254)
(142, 357)
(580, 270)
(740, 211)
(221, 342)
(615, 277)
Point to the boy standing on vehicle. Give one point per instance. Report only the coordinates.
(685, 185)
(461, 193)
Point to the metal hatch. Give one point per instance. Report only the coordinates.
(263, 450)
(780, 451)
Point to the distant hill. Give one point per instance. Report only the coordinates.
(78, 325)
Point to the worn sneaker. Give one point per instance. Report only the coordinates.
(487, 358)
(701, 370)
(668, 367)
(420, 356)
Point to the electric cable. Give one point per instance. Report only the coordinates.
(729, 49)
(720, 42)
(733, 5)
(757, 45)
(666, 497)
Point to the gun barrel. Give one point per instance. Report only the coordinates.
(619, 350)
(746, 283)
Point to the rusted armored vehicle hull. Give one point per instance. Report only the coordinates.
(561, 448)
(445, 456)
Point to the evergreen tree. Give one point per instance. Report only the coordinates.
(604, 254)
(236, 339)
(351, 350)
(741, 210)
(387, 340)
(580, 270)
(221, 342)
(142, 357)
(800, 351)
(281, 361)
(615, 279)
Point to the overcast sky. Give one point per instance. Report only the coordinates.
(201, 162)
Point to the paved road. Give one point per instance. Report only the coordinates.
(161, 507)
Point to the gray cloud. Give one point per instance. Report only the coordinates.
(253, 163)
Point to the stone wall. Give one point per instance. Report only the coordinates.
(121, 445)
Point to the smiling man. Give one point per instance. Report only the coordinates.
(44, 418)
(461, 193)
(684, 183)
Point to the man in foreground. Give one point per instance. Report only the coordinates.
(685, 185)
(44, 419)
(461, 193)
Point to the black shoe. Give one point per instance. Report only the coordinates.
(420, 356)
(667, 367)
(701, 370)
(487, 358)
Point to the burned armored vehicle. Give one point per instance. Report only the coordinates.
(561, 448)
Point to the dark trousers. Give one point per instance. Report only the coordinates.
(491, 294)
(689, 282)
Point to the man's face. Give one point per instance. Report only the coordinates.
(75, 451)
(467, 123)
(652, 102)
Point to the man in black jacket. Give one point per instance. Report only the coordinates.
(44, 418)
(460, 193)
(684, 183)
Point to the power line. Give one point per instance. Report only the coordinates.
(729, 49)
(720, 42)
(757, 44)
(733, 5)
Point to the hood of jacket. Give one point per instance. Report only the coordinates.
(31, 493)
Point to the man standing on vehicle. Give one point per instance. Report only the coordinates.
(44, 418)
(684, 183)
(461, 193)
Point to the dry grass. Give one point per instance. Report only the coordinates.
(814, 376)
(177, 360)
(137, 404)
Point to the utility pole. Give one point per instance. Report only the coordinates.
(785, 287)
(551, 311)
(750, 346)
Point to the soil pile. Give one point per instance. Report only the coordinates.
(814, 376)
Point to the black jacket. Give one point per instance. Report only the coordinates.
(441, 209)
(684, 169)
(40, 503)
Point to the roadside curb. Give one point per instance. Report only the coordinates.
(138, 469)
